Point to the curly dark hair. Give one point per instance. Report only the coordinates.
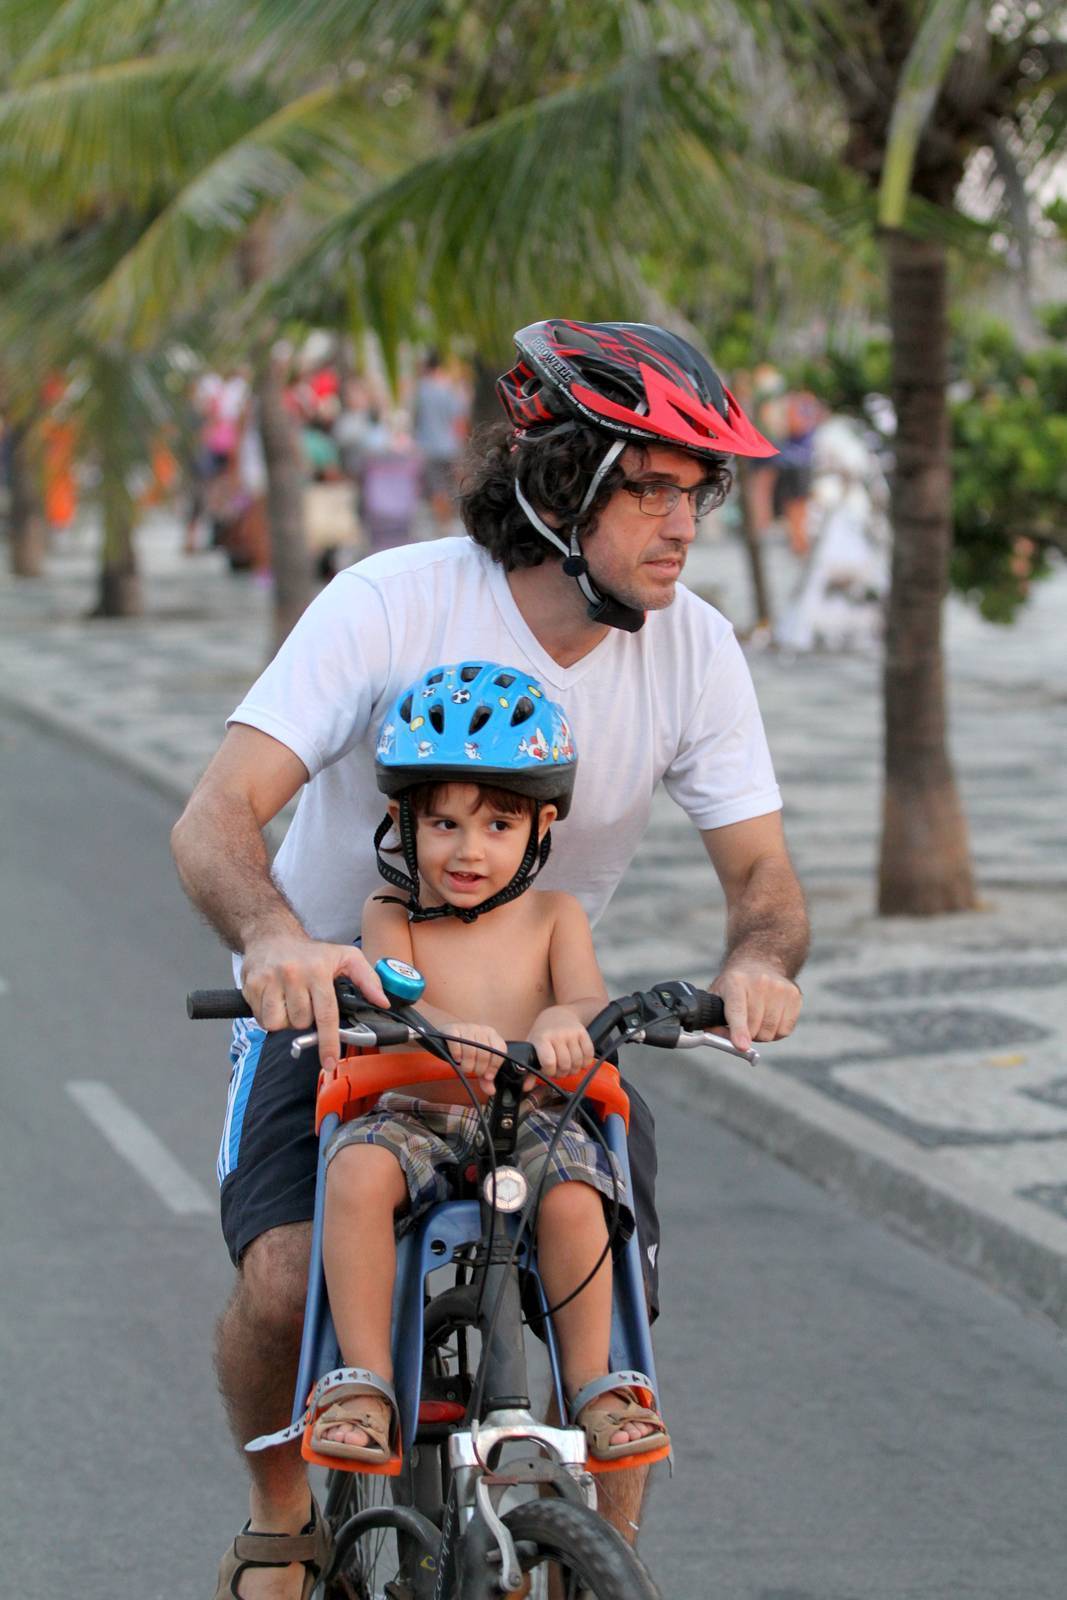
(554, 469)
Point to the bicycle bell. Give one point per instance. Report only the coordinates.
(402, 982)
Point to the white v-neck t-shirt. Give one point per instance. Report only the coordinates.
(674, 702)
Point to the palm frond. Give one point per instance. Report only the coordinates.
(86, 34)
(123, 134)
(329, 133)
(920, 82)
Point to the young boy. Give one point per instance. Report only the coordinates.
(478, 764)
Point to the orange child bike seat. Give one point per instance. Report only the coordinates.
(354, 1085)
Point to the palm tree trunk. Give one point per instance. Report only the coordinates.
(925, 863)
(761, 595)
(120, 593)
(29, 535)
(291, 559)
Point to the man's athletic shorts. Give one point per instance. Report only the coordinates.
(268, 1154)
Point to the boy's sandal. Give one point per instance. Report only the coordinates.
(340, 1400)
(313, 1547)
(599, 1425)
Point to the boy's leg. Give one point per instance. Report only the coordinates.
(365, 1188)
(571, 1239)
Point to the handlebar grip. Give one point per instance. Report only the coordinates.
(707, 1011)
(205, 1004)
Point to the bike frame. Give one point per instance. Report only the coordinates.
(446, 1231)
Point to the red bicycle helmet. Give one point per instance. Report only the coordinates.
(627, 378)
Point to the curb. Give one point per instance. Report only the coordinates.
(153, 773)
(1009, 1244)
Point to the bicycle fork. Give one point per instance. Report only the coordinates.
(479, 1559)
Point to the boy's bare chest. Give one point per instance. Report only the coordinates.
(494, 973)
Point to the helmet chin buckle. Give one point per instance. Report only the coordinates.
(614, 614)
(576, 566)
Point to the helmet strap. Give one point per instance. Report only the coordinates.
(600, 606)
(533, 860)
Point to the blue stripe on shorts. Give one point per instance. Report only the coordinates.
(245, 1047)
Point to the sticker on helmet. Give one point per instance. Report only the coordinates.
(460, 697)
(536, 745)
(502, 702)
(425, 748)
(471, 751)
(386, 739)
(531, 688)
(418, 723)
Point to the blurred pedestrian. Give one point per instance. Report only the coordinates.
(766, 395)
(59, 438)
(792, 484)
(440, 421)
(389, 478)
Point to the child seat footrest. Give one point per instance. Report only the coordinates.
(320, 1393)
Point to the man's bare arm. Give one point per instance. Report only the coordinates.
(767, 931)
(223, 864)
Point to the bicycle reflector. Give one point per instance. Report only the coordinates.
(505, 1189)
(441, 1411)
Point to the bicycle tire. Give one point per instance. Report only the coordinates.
(363, 1575)
(592, 1560)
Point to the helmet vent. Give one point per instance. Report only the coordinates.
(468, 674)
(524, 710)
(504, 680)
(433, 677)
(480, 718)
(437, 717)
(405, 709)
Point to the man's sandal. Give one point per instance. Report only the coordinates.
(313, 1548)
(343, 1403)
(599, 1425)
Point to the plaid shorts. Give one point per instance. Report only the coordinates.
(433, 1141)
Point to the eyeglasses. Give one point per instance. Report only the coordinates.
(660, 499)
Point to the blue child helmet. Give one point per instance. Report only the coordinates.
(478, 722)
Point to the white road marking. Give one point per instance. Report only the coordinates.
(147, 1155)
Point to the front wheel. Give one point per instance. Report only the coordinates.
(570, 1551)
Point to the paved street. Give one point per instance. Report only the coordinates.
(928, 1080)
(853, 1420)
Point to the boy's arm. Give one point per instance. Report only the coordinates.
(386, 931)
(576, 978)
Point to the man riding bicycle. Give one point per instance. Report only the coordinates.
(580, 511)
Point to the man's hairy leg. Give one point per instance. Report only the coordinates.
(257, 1346)
(620, 1494)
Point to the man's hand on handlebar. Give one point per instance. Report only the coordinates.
(289, 979)
(760, 1002)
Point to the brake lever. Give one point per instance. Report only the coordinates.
(359, 1035)
(667, 1034)
(693, 1041)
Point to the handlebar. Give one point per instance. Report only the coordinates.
(671, 1015)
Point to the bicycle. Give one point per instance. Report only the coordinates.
(451, 1537)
